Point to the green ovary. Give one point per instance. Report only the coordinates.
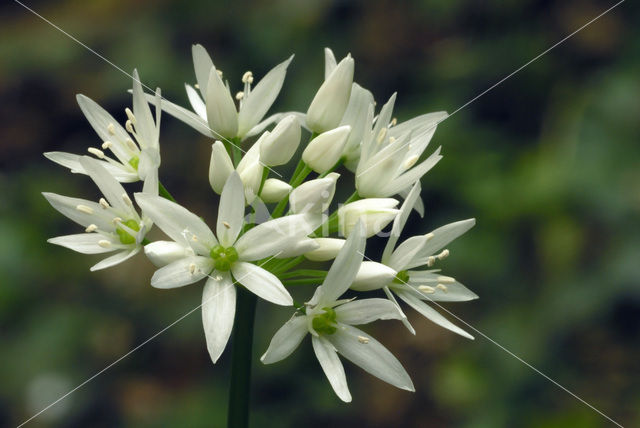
(325, 323)
(134, 162)
(402, 277)
(125, 237)
(223, 258)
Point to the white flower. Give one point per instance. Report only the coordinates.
(417, 286)
(359, 115)
(222, 255)
(112, 224)
(281, 143)
(274, 190)
(324, 151)
(389, 155)
(135, 147)
(314, 196)
(215, 114)
(374, 213)
(331, 100)
(330, 323)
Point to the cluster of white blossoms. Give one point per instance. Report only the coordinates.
(266, 225)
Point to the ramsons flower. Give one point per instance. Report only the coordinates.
(223, 258)
(416, 287)
(112, 224)
(374, 213)
(331, 324)
(215, 114)
(135, 147)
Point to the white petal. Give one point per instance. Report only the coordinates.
(177, 222)
(332, 367)
(331, 100)
(218, 310)
(367, 310)
(404, 319)
(182, 272)
(411, 176)
(115, 259)
(454, 292)
(303, 246)
(314, 195)
(85, 243)
(330, 62)
(444, 235)
(328, 249)
(181, 113)
(220, 167)
(202, 65)
(68, 207)
(371, 356)
(161, 253)
(109, 186)
(197, 103)
(262, 283)
(145, 125)
(270, 238)
(405, 255)
(274, 190)
(430, 313)
(372, 276)
(221, 110)
(401, 220)
(71, 161)
(260, 127)
(259, 100)
(100, 120)
(286, 340)
(325, 150)
(343, 270)
(230, 211)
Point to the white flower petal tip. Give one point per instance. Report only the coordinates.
(220, 167)
(218, 311)
(374, 213)
(372, 276)
(286, 340)
(328, 249)
(331, 100)
(222, 115)
(325, 150)
(281, 143)
(262, 283)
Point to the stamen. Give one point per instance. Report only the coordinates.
(111, 129)
(127, 200)
(116, 220)
(442, 287)
(239, 95)
(218, 277)
(443, 255)
(194, 238)
(132, 146)
(394, 122)
(196, 86)
(411, 161)
(128, 126)
(226, 224)
(107, 145)
(392, 140)
(247, 77)
(91, 228)
(192, 268)
(103, 203)
(104, 243)
(431, 261)
(446, 280)
(363, 339)
(219, 73)
(96, 152)
(381, 135)
(429, 236)
(84, 209)
(427, 289)
(130, 115)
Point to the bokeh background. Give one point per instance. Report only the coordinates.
(548, 163)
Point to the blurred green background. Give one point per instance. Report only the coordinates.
(548, 163)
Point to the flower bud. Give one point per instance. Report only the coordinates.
(161, 253)
(220, 167)
(374, 213)
(331, 100)
(325, 150)
(281, 144)
(314, 195)
(372, 276)
(328, 249)
(274, 190)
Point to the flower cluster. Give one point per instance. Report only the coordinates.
(267, 226)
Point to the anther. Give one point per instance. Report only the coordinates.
(91, 228)
(381, 135)
(194, 238)
(247, 77)
(103, 203)
(127, 199)
(107, 145)
(443, 255)
(130, 115)
(96, 152)
(427, 289)
(116, 220)
(219, 73)
(394, 122)
(217, 278)
(411, 161)
(128, 126)
(192, 268)
(196, 86)
(239, 95)
(84, 209)
(104, 243)
(429, 236)
(446, 280)
(111, 129)
(431, 261)
(132, 146)
(363, 339)
(226, 224)
(442, 287)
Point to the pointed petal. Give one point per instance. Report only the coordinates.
(85, 243)
(230, 211)
(328, 249)
(181, 113)
(145, 125)
(430, 313)
(405, 255)
(182, 272)
(332, 367)
(330, 62)
(286, 340)
(274, 236)
(177, 222)
(197, 103)
(371, 356)
(218, 310)
(367, 310)
(68, 207)
(273, 119)
(401, 220)
(404, 319)
(443, 236)
(221, 110)
(100, 120)
(373, 276)
(202, 65)
(259, 100)
(262, 283)
(71, 161)
(454, 291)
(109, 186)
(115, 259)
(411, 176)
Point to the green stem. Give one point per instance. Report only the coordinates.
(240, 387)
(303, 272)
(265, 174)
(236, 152)
(162, 191)
(307, 281)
